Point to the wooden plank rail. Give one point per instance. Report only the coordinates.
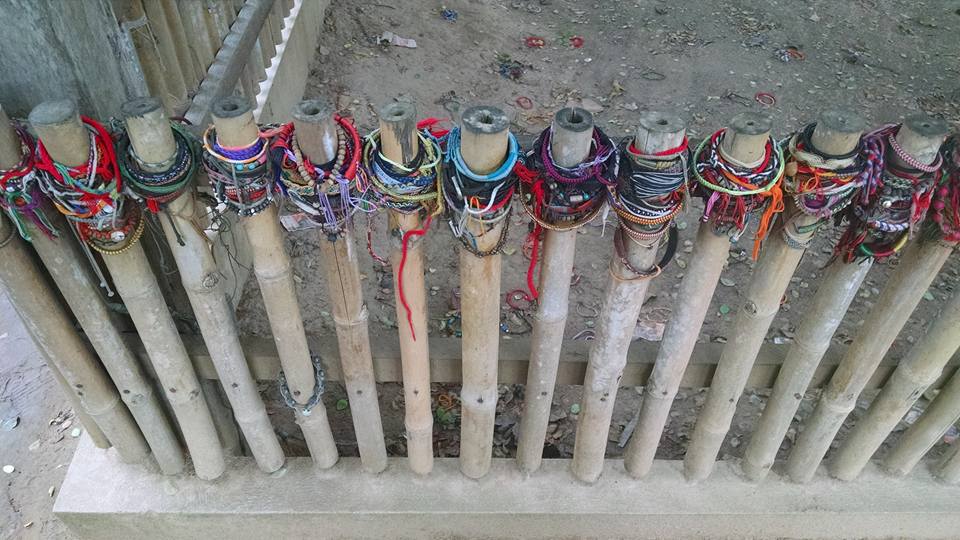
(445, 357)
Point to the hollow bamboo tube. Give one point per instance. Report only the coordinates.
(152, 139)
(836, 133)
(147, 52)
(837, 290)
(743, 144)
(317, 136)
(623, 300)
(177, 82)
(921, 137)
(194, 18)
(67, 265)
(921, 368)
(222, 418)
(79, 371)
(201, 279)
(484, 138)
(10, 155)
(400, 144)
(942, 412)
(570, 142)
(949, 469)
(58, 126)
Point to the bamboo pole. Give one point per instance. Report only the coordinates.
(400, 144)
(58, 125)
(193, 14)
(837, 132)
(621, 306)
(570, 143)
(949, 469)
(69, 357)
(317, 135)
(921, 368)
(942, 412)
(836, 292)
(484, 133)
(10, 154)
(152, 140)
(222, 418)
(920, 137)
(178, 83)
(204, 285)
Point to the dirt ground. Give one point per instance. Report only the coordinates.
(883, 58)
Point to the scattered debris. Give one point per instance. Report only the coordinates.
(389, 37)
(576, 42)
(652, 75)
(789, 54)
(584, 335)
(524, 103)
(765, 98)
(342, 404)
(9, 424)
(535, 42)
(76, 432)
(575, 408)
(8, 469)
(727, 282)
(449, 14)
(510, 68)
(724, 309)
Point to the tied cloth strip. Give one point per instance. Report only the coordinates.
(328, 193)
(821, 185)
(732, 193)
(562, 198)
(89, 195)
(945, 218)
(891, 203)
(240, 176)
(484, 198)
(156, 184)
(651, 190)
(408, 188)
(21, 197)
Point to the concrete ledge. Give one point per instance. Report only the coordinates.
(102, 498)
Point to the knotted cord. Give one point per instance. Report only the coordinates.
(408, 188)
(945, 221)
(650, 191)
(156, 184)
(329, 193)
(732, 193)
(483, 198)
(821, 185)
(562, 198)
(90, 197)
(21, 197)
(240, 176)
(892, 201)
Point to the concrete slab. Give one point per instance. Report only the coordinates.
(103, 498)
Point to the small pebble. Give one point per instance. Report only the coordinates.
(76, 432)
(8, 469)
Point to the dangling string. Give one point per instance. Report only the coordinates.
(562, 198)
(21, 196)
(732, 193)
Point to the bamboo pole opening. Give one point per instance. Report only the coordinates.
(484, 135)
(743, 145)
(570, 143)
(400, 144)
(625, 293)
(10, 155)
(921, 137)
(317, 134)
(151, 138)
(235, 127)
(837, 132)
